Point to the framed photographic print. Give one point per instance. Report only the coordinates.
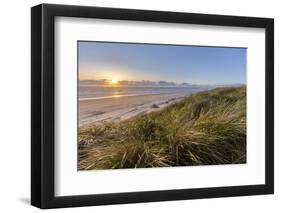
(140, 106)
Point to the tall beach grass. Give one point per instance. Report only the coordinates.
(207, 128)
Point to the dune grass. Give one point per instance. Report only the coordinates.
(207, 128)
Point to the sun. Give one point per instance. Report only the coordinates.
(114, 81)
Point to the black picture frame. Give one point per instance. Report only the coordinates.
(43, 110)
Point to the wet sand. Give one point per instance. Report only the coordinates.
(121, 108)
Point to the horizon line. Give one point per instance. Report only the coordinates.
(159, 81)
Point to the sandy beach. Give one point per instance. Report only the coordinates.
(121, 108)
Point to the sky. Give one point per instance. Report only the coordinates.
(154, 62)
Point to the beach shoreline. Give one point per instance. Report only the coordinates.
(97, 111)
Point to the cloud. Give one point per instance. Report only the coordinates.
(107, 82)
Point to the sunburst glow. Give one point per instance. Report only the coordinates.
(114, 81)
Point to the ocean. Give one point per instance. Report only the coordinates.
(102, 92)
